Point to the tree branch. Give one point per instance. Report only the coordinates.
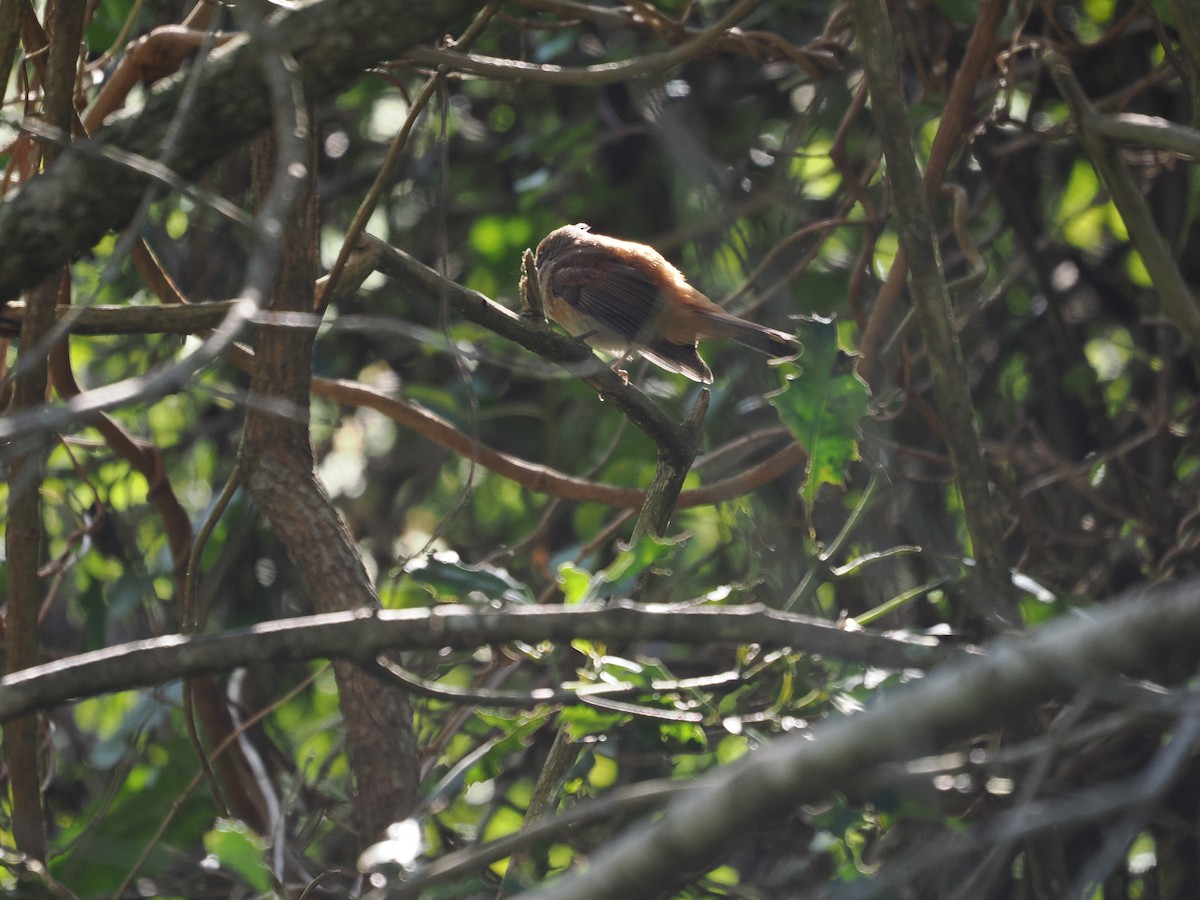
(995, 598)
(278, 469)
(1143, 633)
(1172, 290)
(199, 317)
(953, 126)
(599, 74)
(85, 194)
(573, 355)
(24, 535)
(363, 634)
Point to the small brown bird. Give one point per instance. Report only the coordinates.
(624, 297)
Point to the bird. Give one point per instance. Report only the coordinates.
(625, 298)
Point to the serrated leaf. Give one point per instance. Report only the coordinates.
(821, 404)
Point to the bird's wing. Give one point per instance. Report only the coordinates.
(617, 297)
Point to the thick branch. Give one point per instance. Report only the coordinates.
(180, 319)
(674, 463)
(363, 634)
(85, 194)
(1138, 636)
(25, 532)
(278, 470)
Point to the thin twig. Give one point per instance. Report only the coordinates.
(602, 73)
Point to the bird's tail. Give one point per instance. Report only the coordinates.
(748, 334)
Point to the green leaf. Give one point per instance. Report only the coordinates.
(241, 851)
(486, 761)
(617, 579)
(575, 584)
(633, 561)
(582, 720)
(102, 842)
(447, 577)
(821, 404)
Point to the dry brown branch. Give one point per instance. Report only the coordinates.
(24, 535)
(536, 477)
(193, 318)
(151, 57)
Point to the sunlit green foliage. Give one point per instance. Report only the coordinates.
(759, 179)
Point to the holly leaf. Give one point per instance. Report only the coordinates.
(821, 403)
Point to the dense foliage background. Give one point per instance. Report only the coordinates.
(468, 467)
